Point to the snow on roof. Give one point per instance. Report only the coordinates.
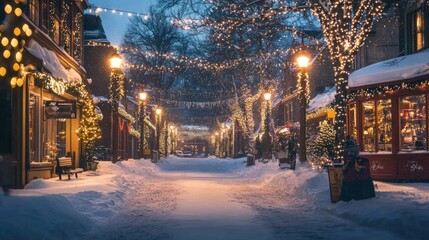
(322, 100)
(52, 63)
(400, 68)
(132, 100)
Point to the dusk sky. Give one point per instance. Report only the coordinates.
(115, 24)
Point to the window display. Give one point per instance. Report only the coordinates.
(352, 127)
(377, 126)
(413, 123)
(369, 126)
(384, 125)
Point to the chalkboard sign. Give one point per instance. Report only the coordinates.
(60, 109)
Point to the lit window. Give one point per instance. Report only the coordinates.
(413, 123)
(377, 126)
(418, 30)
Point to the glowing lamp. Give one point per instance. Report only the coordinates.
(115, 61)
(302, 61)
(158, 111)
(143, 96)
(267, 96)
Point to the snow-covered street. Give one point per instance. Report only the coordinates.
(190, 198)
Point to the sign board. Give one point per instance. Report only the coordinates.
(60, 109)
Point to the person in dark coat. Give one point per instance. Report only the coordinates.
(357, 183)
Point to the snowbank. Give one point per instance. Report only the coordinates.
(52, 209)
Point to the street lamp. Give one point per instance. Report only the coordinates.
(217, 144)
(115, 94)
(142, 98)
(172, 133)
(267, 153)
(228, 141)
(115, 61)
(304, 97)
(158, 112)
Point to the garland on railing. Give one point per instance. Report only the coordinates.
(134, 132)
(126, 115)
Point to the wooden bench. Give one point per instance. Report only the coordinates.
(64, 166)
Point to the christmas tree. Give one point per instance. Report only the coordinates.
(325, 141)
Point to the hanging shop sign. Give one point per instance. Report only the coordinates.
(60, 109)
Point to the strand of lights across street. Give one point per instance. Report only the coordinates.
(197, 62)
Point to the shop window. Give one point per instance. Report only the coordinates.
(61, 137)
(368, 126)
(34, 132)
(413, 123)
(352, 127)
(384, 125)
(377, 126)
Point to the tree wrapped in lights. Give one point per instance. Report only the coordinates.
(89, 130)
(345, 25)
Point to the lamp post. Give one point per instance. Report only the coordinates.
(304, 99)
(166, 140)
(116, 93)
(172, 131)
(228, 141)
(217, 144)
(158, 112)
(267, 153)
(223, 140)
(142, 98)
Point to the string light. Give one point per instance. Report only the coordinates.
(13, 35)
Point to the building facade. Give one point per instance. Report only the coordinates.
(40, 107)
(123, 139)
(388, 110)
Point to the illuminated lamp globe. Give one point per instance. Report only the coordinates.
(267, 96)
(143, 96)
(158, 111)
(302, 61)
(115, 61)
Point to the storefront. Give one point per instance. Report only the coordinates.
(51, 111)
(388, 115)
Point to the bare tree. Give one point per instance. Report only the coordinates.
(147, 43)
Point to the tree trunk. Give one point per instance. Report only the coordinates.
(341, 81)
